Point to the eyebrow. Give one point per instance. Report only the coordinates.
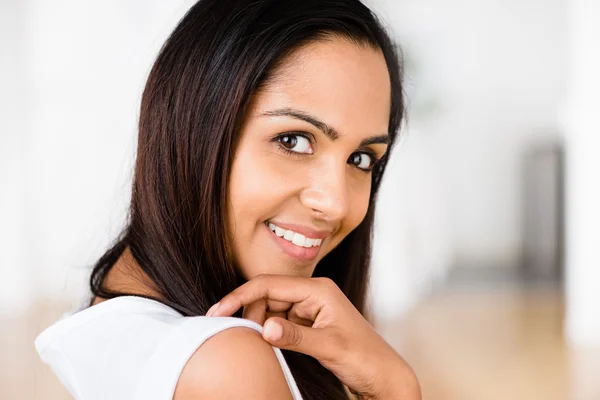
(329, 131)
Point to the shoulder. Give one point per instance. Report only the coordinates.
(233, 362)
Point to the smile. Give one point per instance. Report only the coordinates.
(297, 238)
(294, 244)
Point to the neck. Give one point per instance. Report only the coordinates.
(126, 276)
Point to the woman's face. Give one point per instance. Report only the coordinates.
(300, 180)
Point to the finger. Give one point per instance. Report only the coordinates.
(274, 314)
(278, 306)
(299, 321)
(287, 335)
(293, 316)
(256, 311)
(284, 288)
(262, 309)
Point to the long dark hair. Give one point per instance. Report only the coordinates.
(193, 105)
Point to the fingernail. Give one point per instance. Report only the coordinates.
(273, 331)
(212, 310)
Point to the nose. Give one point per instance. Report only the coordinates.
(327, 194)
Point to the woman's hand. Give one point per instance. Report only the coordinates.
(314, 317)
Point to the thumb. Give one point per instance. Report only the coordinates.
(284, 334)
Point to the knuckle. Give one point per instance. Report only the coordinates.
(262, 277)
(261, 304)
(295, 337)
(325, 281)
(328, 284)
(262, 281)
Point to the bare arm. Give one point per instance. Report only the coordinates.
(235, 363)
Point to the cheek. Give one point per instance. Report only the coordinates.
(256, 188)
(247, 194)
(359, 202)
(249, 201)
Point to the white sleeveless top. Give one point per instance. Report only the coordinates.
(131, 347)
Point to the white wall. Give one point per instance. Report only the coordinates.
(15, 286)
(74, 77)
(412, 247)
(488, 78)
(484, 78)
(583, 181)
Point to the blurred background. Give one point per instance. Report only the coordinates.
(486, 265)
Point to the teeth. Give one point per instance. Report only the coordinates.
(294, 237)
(299, 239)
(288, 235)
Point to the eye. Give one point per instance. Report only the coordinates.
(363, 161)
(296, 143)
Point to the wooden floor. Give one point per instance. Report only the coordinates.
(495, 344)
(464, 345)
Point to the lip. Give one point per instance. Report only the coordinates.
(296, 252)
(306, 231)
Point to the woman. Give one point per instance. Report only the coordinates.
(264, 131)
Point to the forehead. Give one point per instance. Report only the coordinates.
(344, 84)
